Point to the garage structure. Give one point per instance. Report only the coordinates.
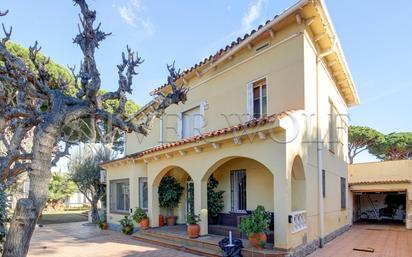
(381, 192)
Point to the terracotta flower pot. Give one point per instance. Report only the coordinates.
(193, 230)
(104, 226)
(258, 240)
(161, 220)
(171, 220)
(144, 224)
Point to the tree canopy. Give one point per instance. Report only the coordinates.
(84, 168)
(362, 138)
(60, 188)
(395, 146)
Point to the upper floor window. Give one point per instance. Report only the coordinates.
(333, 128)
(257, 98)
(191, 122)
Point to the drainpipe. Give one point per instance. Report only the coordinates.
(320, 160)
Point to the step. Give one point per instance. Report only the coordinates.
(177, 246)
(182, 240)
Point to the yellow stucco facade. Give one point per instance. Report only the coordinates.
(285, 158)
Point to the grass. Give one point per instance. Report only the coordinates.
(62, 217)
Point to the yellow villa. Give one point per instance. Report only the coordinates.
(267, 117)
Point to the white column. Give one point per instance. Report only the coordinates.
(282, 209)
(200, 192)
(153, 204)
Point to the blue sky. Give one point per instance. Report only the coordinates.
(375, 36)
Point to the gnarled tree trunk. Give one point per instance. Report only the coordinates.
(28, 210)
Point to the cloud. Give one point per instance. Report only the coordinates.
(127, 15)
(253, 14)
(133, 13)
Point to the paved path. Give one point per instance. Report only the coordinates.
(386, 240)
(78, 240)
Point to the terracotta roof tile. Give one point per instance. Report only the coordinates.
(220, 52)
(223, 131)
(382, 181)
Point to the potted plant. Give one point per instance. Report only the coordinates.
(140, 216)
(215, 201)
(170, 192)
(193, 228)
(103, 225)
(255, 226)
(127, 225)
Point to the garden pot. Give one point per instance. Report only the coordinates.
(171, 220)
(193, 230)
(104, 226)
(258, 240)
(161, 220)
(144, 224)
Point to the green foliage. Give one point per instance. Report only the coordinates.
(4, 218)
(56, 71)
(258, 222)
(60, 187)
(215, 202)
(139, 215)
(395, 146)
(192, 219)
(362, 138)
(127, 225)
(169, 192)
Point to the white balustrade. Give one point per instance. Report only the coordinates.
(298, 220)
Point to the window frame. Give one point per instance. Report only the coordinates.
(333, 128)
(114, 198)
(233, 196)
(141, 193)
(202, 108)
(260, 83)
(250, 98)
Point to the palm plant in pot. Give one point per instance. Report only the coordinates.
(127, 225)
(256, 226)
(193, 228)
(170, 192)
(140, 216)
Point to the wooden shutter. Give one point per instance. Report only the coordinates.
(249, 100)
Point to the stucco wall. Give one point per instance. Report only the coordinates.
(224, 89)
(131, 171)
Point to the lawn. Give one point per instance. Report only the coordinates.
(62, 217)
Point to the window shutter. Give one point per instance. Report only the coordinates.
(180, 125)
(249, 100)
(202, 116)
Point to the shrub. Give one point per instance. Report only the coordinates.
(169, 192)
(215, 202)
(139, 215)
(127, 225)
(258, 222)
(192, 219)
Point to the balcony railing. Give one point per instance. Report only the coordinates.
(298, 221)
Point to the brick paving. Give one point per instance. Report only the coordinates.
(386, 240)
(78, 240)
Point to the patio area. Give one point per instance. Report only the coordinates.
(384, 240)
(82, 240)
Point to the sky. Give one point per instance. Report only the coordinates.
(375, 37)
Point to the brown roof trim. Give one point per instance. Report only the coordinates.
(389, 181)
(250, 124)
